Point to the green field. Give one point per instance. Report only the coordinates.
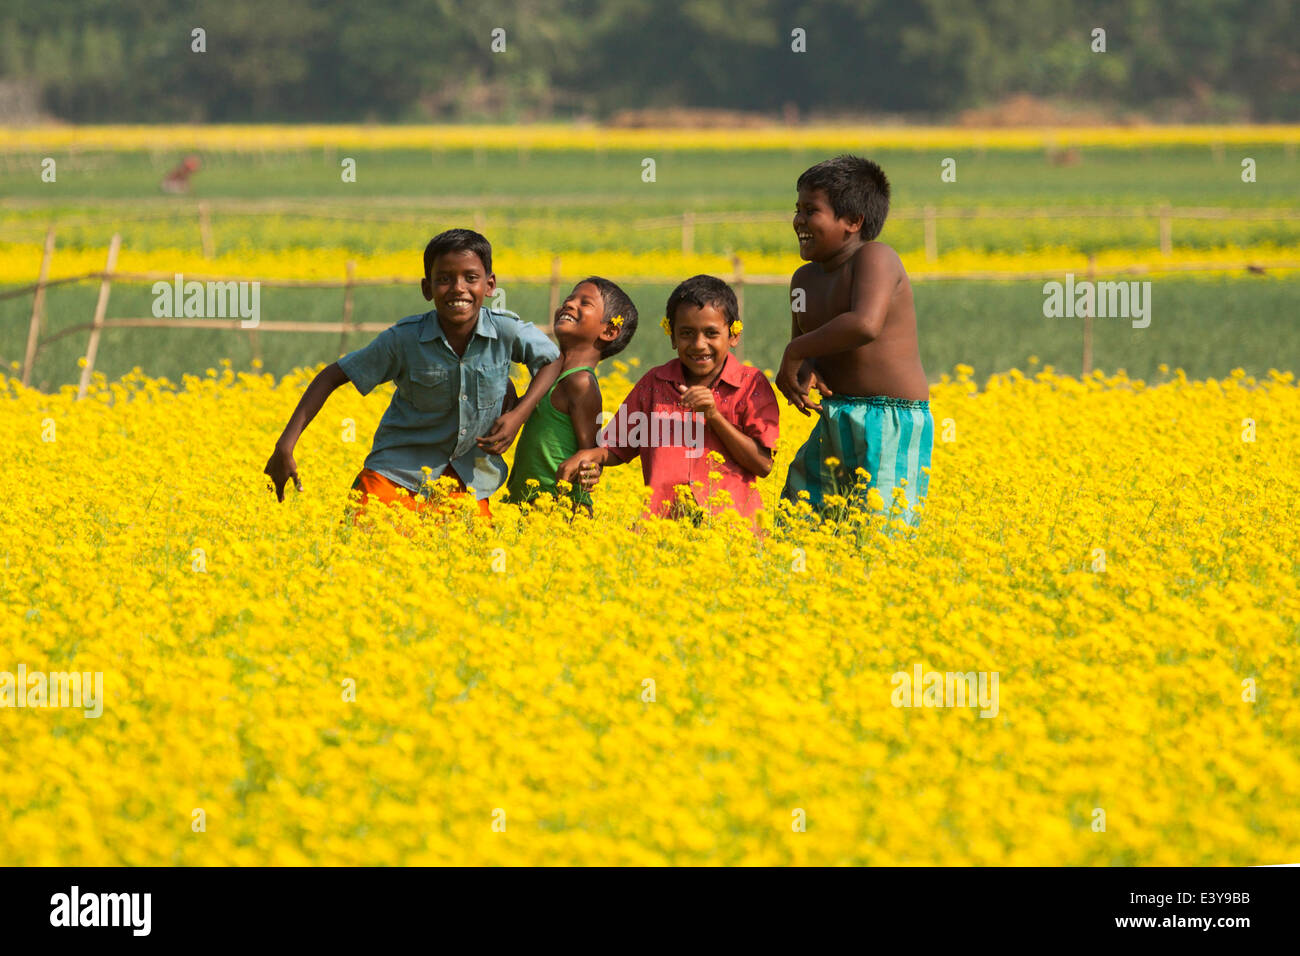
(740, 180)
(587, 201)
(1205, 326)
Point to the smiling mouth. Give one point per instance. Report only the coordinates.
(804, 238)
(701, 359)
(560, 316)
(463, 303)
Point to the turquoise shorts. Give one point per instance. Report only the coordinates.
(890, 438)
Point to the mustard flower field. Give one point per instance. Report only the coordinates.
(283, 687)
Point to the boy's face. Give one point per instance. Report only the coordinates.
(457, 285)
(702, 339)
(580, 319)
(820, 232)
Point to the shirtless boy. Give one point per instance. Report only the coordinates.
(853, 338)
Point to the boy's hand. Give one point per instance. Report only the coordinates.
(795, 379)
(698, 399)
(581, 468)
(281, 467)
(788, 384)
(502, 434)
(815, 381)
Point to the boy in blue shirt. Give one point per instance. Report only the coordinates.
(451, 367)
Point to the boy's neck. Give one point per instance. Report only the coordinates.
(458, 338)
(844, 254)
(580, 356)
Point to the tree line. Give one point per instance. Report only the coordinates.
(406, 60)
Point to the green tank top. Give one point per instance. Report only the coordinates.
(547, 440)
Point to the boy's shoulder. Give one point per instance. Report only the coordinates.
(509, 326)
(670, 371)
(879, 256)
(752, 373)
(502, 318)
(579, 383)
(410, 326)
(747, 378)
(873, 255)
(807, 269)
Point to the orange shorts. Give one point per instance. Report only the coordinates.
(372, 484)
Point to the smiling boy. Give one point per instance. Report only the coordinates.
(733, 403)
(597, 320)
(451, 369)
(855, 341)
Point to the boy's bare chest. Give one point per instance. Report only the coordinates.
(825, 295)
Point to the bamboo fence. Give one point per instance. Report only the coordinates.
(557, 281)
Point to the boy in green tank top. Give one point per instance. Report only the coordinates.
(596, 321)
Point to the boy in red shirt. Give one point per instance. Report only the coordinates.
(685, 415)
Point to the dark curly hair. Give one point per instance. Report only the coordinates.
(855, 187)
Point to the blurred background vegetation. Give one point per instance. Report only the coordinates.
(258, 209)
(406, 60)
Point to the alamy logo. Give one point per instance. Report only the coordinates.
(84, 689)
(1116, 300)
(945, 689)
(208, 300)
(103, 909)
(654, 430)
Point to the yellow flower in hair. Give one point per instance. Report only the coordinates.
(666, 326)
(617, 321)
(736, 327)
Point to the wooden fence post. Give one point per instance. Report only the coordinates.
(38, 308)
(554, 302)
(688, 233)
(1087, 319)
(1166, 230)
(347, 305)
(738, 282)
(255, 343)
(931, 235)
(205, 230)
(97, 323)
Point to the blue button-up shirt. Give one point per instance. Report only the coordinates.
(444, 401)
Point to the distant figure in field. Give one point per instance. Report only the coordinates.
(1068, 157)
(178, 180)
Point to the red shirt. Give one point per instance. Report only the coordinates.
(674, 449)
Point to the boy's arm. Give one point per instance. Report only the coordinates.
(281, 466)
(745, 451)
(591, 460)
(540, 354)
(503, 431)
(875, 276)
(583, 393)
(807, 377)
